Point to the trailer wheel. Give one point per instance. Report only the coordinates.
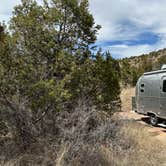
(153, 120)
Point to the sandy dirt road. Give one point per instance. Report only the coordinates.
(127, 113)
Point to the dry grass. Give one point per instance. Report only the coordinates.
(86, 137)
(143, 149)
(131, 145)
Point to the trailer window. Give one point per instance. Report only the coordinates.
(142, 85)
(142, 90)
(164, 86)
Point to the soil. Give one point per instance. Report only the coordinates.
(158, 132)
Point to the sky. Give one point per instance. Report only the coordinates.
(129, 27)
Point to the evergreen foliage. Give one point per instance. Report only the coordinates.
(46, 66)
(132, 68)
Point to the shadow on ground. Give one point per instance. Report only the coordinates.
(160, 125)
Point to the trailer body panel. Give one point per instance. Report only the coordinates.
(151, 94)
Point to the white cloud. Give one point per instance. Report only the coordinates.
(121, 51)
(6, 9)
(121, 20)
(142, 14)
(124, 50)
(128, 51)
(126, 19)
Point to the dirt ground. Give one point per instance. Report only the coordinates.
(127, 113)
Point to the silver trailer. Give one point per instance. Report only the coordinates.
(150, 96)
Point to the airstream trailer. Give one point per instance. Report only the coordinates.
(150, 98)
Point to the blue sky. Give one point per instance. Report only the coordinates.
(129, 27)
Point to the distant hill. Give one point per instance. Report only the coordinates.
(132, 68)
